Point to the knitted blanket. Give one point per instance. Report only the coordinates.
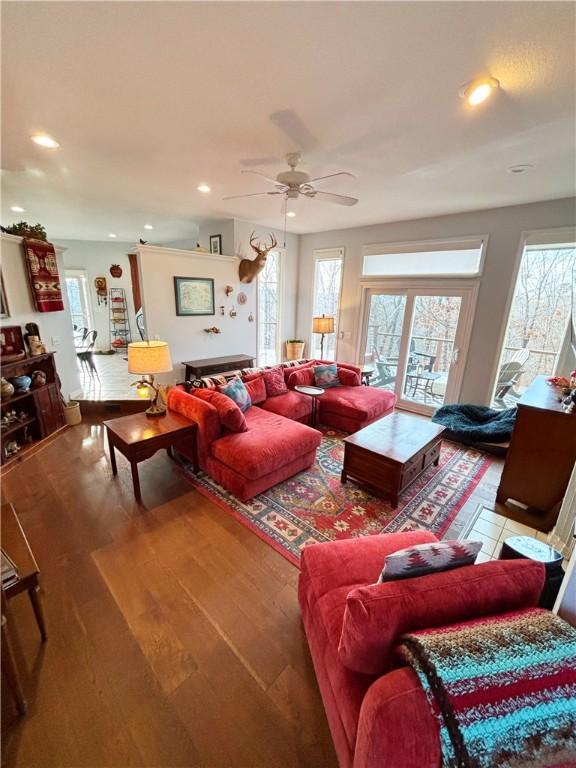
(502, 688)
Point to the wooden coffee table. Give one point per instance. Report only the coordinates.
(138, 437)
(391, 453)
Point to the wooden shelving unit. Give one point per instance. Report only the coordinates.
(120, 333)
(42, 406)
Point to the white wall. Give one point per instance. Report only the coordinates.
(504, 227)
(186, 335)
(224, 227)
(55, 327)
(290, 294)
(97, 258)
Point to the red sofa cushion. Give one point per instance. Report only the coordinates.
(274, 380)
(348, 377)
(303, 377)
(361, 403)
(231, 417)
(256, 388)
(292, 404)
(378, 614)
(270, 442)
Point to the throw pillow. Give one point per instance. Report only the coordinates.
(326, 376)
(256, 388)
(236, 391)
(429, 558)
(231, 417)
(274, 381)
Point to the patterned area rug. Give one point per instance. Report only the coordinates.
(314, 506)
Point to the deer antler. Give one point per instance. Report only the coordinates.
(259, 248)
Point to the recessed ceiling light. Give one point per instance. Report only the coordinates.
(478, 91)
(112, 235)
(520, 168)
(148, 226)
(43, 140)
(203, 188)
(291, 214)
(17, 209)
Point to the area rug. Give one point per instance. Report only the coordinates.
(314, 506)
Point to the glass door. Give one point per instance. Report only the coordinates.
(386, 314)
(414, 342)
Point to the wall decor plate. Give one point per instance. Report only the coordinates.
(242, 298)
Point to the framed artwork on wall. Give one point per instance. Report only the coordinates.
(194, 295)
(216, 244)
(4, 309)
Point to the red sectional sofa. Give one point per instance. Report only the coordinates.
(376, 709)
(277, 443)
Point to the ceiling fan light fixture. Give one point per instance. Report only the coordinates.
(477, 91)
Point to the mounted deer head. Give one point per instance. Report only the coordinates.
(249, 269)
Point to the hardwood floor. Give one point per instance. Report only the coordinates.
(174, 634)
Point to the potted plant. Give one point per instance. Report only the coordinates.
(294, 349)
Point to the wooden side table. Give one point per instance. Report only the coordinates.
(138, 437)
(15, 544)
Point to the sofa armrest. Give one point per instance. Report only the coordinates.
(204, 414)
(396, 728)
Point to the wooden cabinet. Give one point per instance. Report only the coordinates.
(540, 458)
(42, 406)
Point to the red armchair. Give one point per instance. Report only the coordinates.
(379, 717)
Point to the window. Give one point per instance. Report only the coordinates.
(327, 283)
(448, 258)
(538, 320)
(78, 299)
(269, 310)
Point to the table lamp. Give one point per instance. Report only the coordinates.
(322, 325)
(147, 358)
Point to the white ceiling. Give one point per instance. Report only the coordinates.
(148, 99)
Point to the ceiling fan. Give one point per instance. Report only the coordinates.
(291, 184)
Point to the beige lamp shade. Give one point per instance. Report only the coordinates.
(149, 357)
(323, 324)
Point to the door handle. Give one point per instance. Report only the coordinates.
(455, 355)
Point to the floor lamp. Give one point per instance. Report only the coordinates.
(322, 325)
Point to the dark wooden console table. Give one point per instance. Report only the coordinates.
(210, 365)
(540, 458)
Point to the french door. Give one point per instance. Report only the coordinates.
(415, 339)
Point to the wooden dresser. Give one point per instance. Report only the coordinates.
(540, 458)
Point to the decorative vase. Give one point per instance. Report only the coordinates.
(21, 384)
(38, 379)
(6, 389)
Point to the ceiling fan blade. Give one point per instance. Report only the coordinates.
(253, 194)
(332, 198)
(263, 175)
(331, 176)
(292, 125)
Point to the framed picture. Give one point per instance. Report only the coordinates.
(194, 295)
(216, 244)
(4, 310)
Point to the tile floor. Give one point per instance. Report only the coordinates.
(492, 528)
(111, 383)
